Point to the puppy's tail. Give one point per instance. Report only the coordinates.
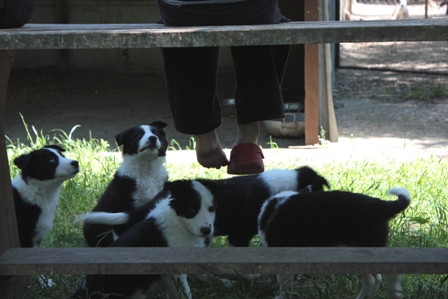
(105, 218)
(403, 201)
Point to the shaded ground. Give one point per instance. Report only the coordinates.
(370, 105)
(103, 104)
(431, 57)
(375, 105)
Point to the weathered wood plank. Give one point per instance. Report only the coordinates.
(223, 260)
(9, 288)
(8, 224)
(102, 36)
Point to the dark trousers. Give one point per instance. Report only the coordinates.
(191, 73)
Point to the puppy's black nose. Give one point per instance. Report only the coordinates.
(152, 139)
(205, 231)
(75, 163)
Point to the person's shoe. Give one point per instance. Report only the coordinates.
(246, 158)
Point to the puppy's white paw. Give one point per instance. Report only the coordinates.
(227, 282)
(45, 282)
(250, 276)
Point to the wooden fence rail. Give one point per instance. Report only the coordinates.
(223, 260)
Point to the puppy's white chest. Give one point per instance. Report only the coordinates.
(149, 178)
(45, 222)
(48, 203)
(146, 190)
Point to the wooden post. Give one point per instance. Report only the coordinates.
(311, 79)
(329, 121)
(10, 288)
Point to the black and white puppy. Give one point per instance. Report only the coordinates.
(240, 198)
(180, 217)
(141, 175)
(331, 219)
(36, 191)
(239, 201)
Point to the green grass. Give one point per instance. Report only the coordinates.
(424, 224)
(421, 92)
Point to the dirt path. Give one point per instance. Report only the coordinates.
(371, 110)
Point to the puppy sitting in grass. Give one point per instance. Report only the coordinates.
(141, 175)
(36, 191)
(182, 216)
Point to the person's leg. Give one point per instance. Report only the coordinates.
(248, 12)
(208, 148)
(259, 72)
(190, 78)
(248, 133)
(191, 90)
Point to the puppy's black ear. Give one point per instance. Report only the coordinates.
(121, 137)
(178, 188)
(56, 147)
(309, 176)
(323, 181)
(318, 184)
(159, 124)
(22, 161)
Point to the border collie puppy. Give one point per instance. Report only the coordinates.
(180, 217)
(141, 175)
(36, 191)
(331, 219)
(239, 201)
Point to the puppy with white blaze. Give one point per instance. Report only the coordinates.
(141, 175)
(180, 217)
(331, 219)
(36, 191)
(239, 200)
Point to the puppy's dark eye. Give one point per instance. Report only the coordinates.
(212, 209)
(52, 160)
(158, 132)
(155, 132)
